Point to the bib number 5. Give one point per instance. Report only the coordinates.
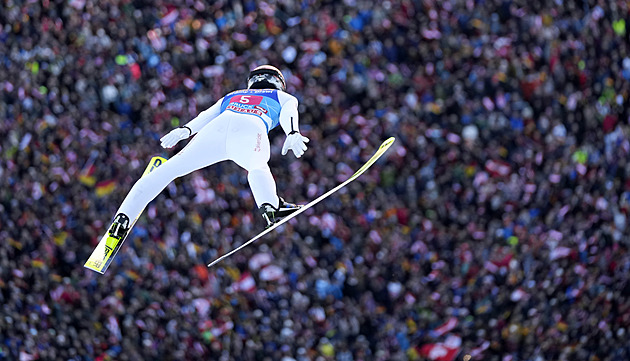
(247, 99)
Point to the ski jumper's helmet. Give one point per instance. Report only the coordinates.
(266, 77)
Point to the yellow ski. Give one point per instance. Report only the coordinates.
(108, 246)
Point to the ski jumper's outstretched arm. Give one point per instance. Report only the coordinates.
(192, 127)
(289, 121)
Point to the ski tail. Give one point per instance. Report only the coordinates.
(108, 246)
(381, 150)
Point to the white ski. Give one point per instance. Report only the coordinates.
(381, 150)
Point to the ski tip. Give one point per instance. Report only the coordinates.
(388, 142)
(385, 146)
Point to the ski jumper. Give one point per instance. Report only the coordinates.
(235, 128)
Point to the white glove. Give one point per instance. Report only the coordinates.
(174, 136)
(296, 142)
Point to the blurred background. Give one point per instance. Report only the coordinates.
(495, 227)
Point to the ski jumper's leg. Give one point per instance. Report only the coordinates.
(248, 146)
(206, 148)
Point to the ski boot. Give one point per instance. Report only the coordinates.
(116, 234)
(274, 215)
(109, 244)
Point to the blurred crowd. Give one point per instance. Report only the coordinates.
(495, 226)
